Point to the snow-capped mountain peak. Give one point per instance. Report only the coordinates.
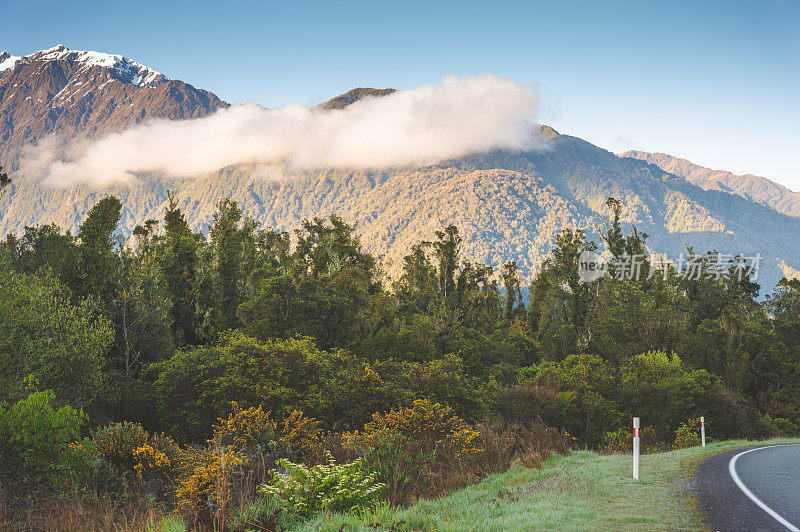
(76, 94)
(8, 61)
(122, 68)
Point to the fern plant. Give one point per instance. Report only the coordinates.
(336, 487)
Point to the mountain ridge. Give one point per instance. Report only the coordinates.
(509, 205)
(755, 188)
(75, 94)
(352, 96)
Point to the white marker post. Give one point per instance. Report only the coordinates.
(703, 430)
(636, 448)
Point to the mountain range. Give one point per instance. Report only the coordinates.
(754, 188)
(509, 205)
(77, 94)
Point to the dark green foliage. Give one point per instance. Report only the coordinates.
(229, 242)
(178, 260)
(446, 251)
(512, 285)
(4, 179)
(197, 386)
(96, 258)
(43, 248)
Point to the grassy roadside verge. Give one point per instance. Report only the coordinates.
(579, 490)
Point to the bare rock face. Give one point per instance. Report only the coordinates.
(78, 93)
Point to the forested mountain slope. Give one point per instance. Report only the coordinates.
(755, 188)
(508, 205)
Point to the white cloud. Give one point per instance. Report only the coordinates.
(408, 128)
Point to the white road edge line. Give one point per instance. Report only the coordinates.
(738, 481)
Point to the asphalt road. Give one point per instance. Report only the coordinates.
(766, 497)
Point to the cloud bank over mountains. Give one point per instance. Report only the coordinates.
(412, 127)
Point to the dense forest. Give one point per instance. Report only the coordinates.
(186, 366)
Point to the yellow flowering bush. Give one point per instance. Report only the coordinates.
(115, 444)
(151, 462)
(426, 423)
(130, 448)
(246, 428)
(205, 486)
(302, 435)
(409, 448)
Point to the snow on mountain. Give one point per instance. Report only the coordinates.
(8, 61)
(122, 68)
(75, 93)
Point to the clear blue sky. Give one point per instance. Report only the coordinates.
(715, 82)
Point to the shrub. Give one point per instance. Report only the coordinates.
(621, 441)
(528, 402)
(239, 455)
(115, 443)
(151, 462)
(252, 431)
(504, 444)
(660, 388)
(136, 454)
(195, 387)
(35, 441)
(409, 447)
(302, 435)
(204, 490)
(338, 488)
(431, 425)
(781, 426)
(246, 428)
(618, 441)
(687, 434)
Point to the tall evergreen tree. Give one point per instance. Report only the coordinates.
(512, 284)
(98, 261)
(447, 249)
(227, 239)
(178, 263)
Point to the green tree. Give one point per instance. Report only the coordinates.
(178, 259)
(42, 334)
(612, 235)
(34, 443)
(417, 287)
(43, 248)
(560, 303)
(227, 240)
(512, 284)
(446, 249)
(97, 260)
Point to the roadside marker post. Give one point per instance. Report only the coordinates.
(636, 448)
(703, 430)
